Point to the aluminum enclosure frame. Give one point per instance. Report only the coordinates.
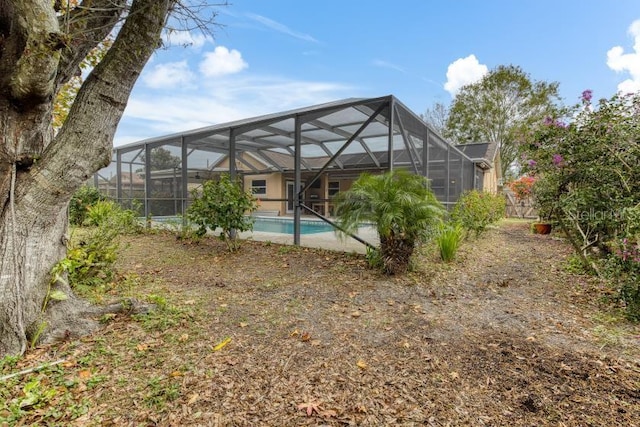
(346, 136)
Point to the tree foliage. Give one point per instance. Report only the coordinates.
(162, 159)
(400, 205)
(588, 181)
(500, 108)
(437, 117)
(223, 204)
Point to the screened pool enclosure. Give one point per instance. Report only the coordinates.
(294, 162)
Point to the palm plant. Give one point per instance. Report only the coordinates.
(400, 205)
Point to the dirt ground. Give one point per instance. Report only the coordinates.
(286, 336)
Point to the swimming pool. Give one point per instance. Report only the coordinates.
(270, 224)
(285, 226)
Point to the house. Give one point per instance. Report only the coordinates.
(487, 157)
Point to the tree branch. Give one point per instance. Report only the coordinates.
(86, 27)
(84, 143)
(36, 42)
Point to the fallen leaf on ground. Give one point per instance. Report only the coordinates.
(193, 398)
(221, 344)
(310, 407)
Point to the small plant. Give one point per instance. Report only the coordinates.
(374, 258)
(476, 210)
(183, 229)
(110, 214)
(160, 393)
(85, 197)
(223, 204)
(448, 240)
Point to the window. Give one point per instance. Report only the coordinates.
(334, 188)
(259, 186)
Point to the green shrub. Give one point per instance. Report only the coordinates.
(90, 259)
(475, 210)
(93, 250)
(223, 204)
(622, 268)
(108, 213)
(85, 197)
(448, 240)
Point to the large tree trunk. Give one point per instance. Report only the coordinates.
(40, 172)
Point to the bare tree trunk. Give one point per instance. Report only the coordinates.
(40, 172)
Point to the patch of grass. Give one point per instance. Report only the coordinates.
(575, 265)
(163, 317)
(160, 393)
(46, 395)
(288, 249)
(611, 330)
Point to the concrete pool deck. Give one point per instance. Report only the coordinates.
(328, 240)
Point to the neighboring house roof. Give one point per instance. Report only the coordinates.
(129, 179)
(482, 153)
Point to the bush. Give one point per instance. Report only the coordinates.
(223, 204)
(93, 251)
(85, 197)
(622, 267)
(475, 210)
(108, 213)
(448, 240)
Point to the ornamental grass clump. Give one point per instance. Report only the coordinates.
(448, 240)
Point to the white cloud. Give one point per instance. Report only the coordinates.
(464, 71)
(281, 28)
(222, 61)
(169, 75)
(619, 61)
(185, 38)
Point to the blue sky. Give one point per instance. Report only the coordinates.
(275, 55)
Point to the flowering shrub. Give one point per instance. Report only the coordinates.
(522, 187)
(588, 181)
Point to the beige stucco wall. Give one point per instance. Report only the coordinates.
(274, 191)
(493, 177)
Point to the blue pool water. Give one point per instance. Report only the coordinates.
(285, 226)
(271, 225)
